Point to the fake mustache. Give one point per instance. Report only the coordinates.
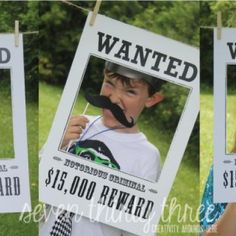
(102, 101)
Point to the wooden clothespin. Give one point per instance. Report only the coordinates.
(95, 12)
(219, 25)
(17, 38)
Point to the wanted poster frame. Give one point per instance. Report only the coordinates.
(224, 163)
(183, 70)
(14, 172)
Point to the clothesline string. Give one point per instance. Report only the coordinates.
(63, 1)
(75, 5)
(26, 32)
(30, 32)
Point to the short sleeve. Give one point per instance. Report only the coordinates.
(151, 169)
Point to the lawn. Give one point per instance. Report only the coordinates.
(206, 130)
(12, 225)
(6, 124)
(185, 188)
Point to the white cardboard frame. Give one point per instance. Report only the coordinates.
(17, 166)
(51, 157)
(223, 161)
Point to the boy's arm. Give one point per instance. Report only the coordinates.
(75, 127)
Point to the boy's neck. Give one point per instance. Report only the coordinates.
(123, 129)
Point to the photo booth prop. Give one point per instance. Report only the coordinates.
(69, 182)
(14, 174)
(224, 162)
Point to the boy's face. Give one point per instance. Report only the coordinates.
(130, 98)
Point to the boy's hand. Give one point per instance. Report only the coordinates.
(74, 129)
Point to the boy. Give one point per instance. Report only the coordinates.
(114, 138)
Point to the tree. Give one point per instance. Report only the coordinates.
(61, 26)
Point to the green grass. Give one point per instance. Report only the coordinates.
(206, 131)
(49, 97)
(6, 124)
(10, 224)
(186, 185)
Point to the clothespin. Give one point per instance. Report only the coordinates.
(95, 12)
(17, 38)
(219, 25)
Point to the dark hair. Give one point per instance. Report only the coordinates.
(127, 81)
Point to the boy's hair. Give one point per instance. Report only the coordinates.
(127, 81)
(126, 75)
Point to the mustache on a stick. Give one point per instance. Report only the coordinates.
(104, 102)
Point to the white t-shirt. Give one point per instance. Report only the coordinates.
(132, 153)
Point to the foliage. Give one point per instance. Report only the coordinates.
(209, 9)
(228, 9)
(61, 26)
(27, 14)
(168, 114)
(206, 57)
(176, 20)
